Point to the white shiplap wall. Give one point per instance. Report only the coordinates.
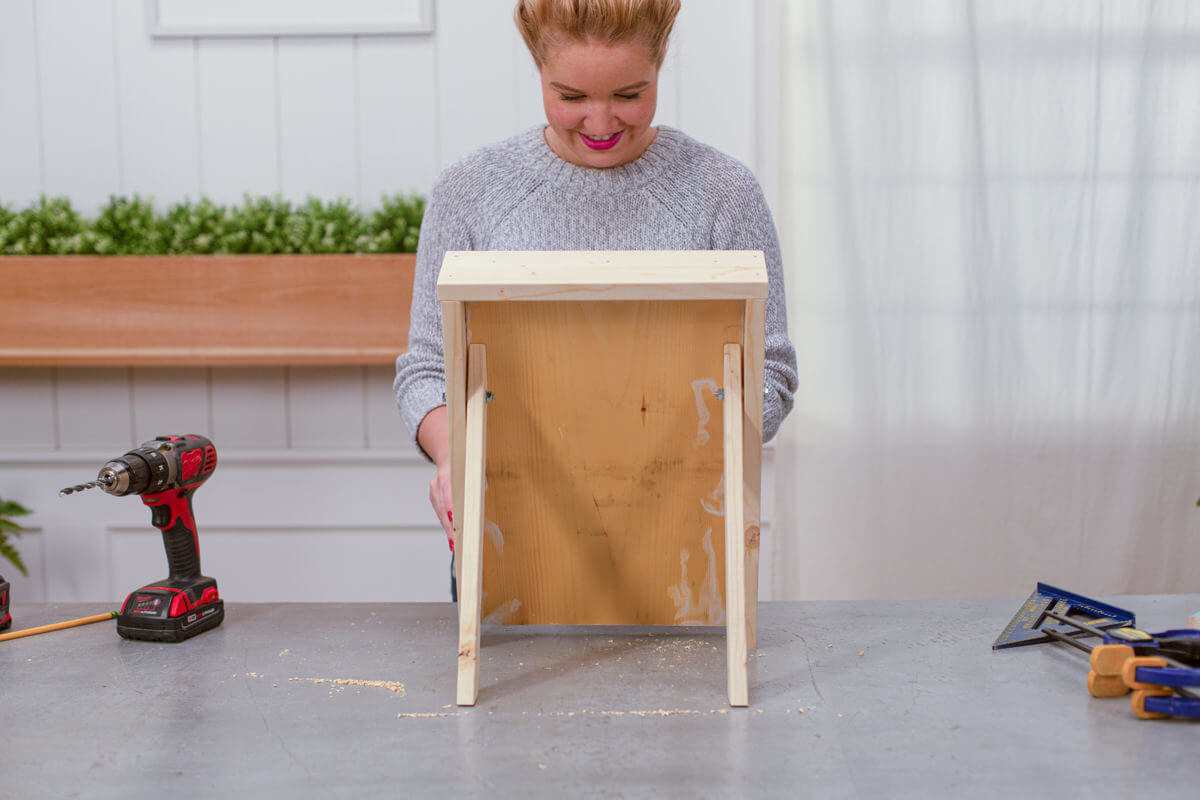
(318, 495)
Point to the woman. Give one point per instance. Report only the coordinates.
(597, 176)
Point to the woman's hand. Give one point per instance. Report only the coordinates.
(433, 435)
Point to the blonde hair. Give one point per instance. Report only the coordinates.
(545, 23)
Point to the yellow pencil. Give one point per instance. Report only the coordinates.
(71, 623)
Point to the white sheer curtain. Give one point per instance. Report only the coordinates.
(990, 212)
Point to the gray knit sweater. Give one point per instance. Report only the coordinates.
(519, 195)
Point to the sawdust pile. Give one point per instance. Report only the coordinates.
(391, 686)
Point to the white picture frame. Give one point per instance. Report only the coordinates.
(262, 18)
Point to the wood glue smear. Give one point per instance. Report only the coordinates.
(702, 413)
(391, 686)
(705, 607)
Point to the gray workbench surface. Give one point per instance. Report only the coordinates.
(864, 699)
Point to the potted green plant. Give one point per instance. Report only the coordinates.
(8, 528)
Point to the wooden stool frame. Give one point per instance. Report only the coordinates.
(524, 303)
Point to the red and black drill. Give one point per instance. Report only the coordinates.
(166, 472)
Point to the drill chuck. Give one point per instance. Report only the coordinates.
(129, 474)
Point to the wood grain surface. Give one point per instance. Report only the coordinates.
(204, 310)
(603, 275)
(470, 549)
(605, 494)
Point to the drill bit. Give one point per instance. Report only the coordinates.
(105, 481)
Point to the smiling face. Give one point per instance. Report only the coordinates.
(600, 101)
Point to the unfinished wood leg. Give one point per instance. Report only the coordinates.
(454, 338)
(752, 403)
(735, 536)
(470, 549)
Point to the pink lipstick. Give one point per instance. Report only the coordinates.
(602, 144)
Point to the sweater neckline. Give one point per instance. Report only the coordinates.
(639, 172)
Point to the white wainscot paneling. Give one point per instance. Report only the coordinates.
(384, 426)
(20, 143)
(667, 112)
(170, 400)
(476, 76)
(317, 525)
(317, 118)
(273, 524)
(26, 408)
(716, 78)
(298, 563)
(249, 407)
(289, 18)
(343, 489)
(326, 407)
(239, 140)
(78, 87)
(31, 588)
(66, 550)
(528, 87)
(157, 106)
(93, 407)
(397, 116)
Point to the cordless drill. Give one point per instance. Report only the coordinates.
(166, 472)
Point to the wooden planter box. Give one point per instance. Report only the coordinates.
(204, 310)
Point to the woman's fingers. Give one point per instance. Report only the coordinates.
(439, 498)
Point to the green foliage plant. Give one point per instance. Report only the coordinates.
(127, 227)
(8, 528)
(50, 227)
(396, 225)
(318, 227)
(258, 225)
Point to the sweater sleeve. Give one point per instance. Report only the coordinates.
(420, 383)
(743, 222)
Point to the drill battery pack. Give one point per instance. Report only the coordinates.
(171, 610)
(5, 617)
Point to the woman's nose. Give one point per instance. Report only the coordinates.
(600, 118)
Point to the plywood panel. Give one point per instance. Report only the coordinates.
(20, 143)
(159, 149)
(317, 118)
(604, 455)
(78, 93)
(239, 137)
(397, 111)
